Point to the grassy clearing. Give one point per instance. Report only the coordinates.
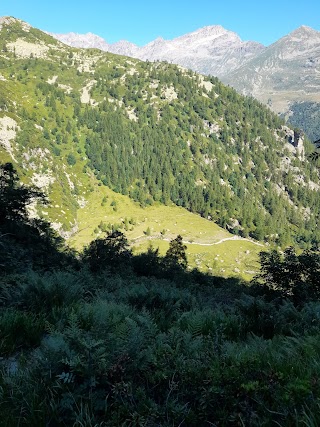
(157, 225)
(230, 258)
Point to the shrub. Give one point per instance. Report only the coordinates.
(71, 159)
(19, 330)
(110, 251)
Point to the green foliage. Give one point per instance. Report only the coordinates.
(14, 198)
(25, 242)
(294, 276)
(155, 349)
(44, 293)
(148, 232)
(19, 330)
(176, 254)
(306, 116)
(147, 263)
(140, 345)
(108, 252)
(71, 159)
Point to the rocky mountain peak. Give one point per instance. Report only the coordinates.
(204, 50)
(123, 47)
(209, 30)
(289, 66)
(88, 40)
(207, 36)
(303, 31)
(212, 29)
(7, 20)
(302, 38)
(159, 41)
(304, 41)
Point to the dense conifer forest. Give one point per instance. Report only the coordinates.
(306, 115)
(106, 338)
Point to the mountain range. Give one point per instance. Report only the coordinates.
(280, 75)
(209, 50)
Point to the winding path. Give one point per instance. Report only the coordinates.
(142, 237)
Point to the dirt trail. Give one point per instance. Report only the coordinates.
(142, 238)
(224, 240)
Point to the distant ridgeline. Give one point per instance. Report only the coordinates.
(154, 131)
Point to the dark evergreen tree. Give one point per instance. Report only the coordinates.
(147, 263)
(176, 254)
(108, 252)
(293, 276)
(26, 243)
(14, 197)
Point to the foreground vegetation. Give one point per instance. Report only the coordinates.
(105, 338)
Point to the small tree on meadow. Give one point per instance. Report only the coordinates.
(176, 254)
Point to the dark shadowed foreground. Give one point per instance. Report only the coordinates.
(104, 338)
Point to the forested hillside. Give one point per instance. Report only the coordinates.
(154, 131)
(306, 115)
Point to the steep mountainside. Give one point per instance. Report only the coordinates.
(153, 131)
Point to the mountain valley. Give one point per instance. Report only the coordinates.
(76, 121)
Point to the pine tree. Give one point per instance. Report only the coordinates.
(176, 254)
(14, 198)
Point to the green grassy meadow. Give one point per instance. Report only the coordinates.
(156, 225)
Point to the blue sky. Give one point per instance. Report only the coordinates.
(141, 21)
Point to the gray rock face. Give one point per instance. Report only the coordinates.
(209, 50)
(88, 40)
(123, 47)
(286, 71)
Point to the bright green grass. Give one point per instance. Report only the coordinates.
(203, 238)
(230, 258)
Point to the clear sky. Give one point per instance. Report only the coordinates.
(141, 21)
